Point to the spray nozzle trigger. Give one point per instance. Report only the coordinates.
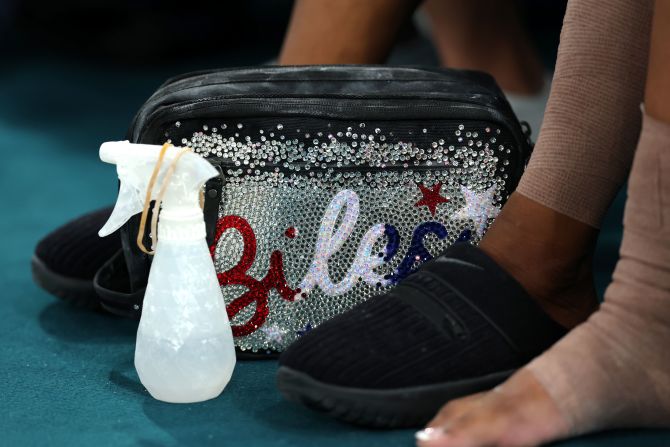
(127, 205)
(135, 164)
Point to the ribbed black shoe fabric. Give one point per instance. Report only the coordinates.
(66, 260)
(457, 319)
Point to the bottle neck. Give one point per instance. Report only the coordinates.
(181, 224)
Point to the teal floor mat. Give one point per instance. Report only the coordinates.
(67, 375)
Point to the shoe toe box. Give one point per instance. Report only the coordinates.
(384, 343)
(75, 250)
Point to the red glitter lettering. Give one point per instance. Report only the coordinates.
(257, 290)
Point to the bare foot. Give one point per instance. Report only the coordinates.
(550, 254)
(518, 413)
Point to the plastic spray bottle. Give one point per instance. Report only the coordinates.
(184, 350)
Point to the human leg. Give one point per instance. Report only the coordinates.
(612, 371)
(343, 31)
(486, 35)
(545, 234)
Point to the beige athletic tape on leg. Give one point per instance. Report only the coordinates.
(591, 124)
(614, 370)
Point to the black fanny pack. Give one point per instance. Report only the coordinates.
(335, 183)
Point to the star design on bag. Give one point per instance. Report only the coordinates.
(479, 208)
(431, 197)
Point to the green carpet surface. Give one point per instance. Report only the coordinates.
(67, 375)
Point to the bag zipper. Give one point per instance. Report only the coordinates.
(430, 75)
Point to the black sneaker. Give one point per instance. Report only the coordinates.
(67, 259)
(457, 326)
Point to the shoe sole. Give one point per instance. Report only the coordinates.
(379, 408)
(77, 292)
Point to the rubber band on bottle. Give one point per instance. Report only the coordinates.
(159, 198)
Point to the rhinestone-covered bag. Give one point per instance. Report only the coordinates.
(336, 181)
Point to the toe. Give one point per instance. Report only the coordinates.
(517, 414)
(453, 409)
(432, 437)
(483, 424)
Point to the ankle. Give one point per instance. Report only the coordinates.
(550, 254)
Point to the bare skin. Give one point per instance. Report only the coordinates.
(550, 254)
(467, 34)
(520, 412)
(657, 93)
(343, 31)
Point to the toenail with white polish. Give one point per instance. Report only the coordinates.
(430, 434)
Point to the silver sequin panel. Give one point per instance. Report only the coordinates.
(267, 183)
